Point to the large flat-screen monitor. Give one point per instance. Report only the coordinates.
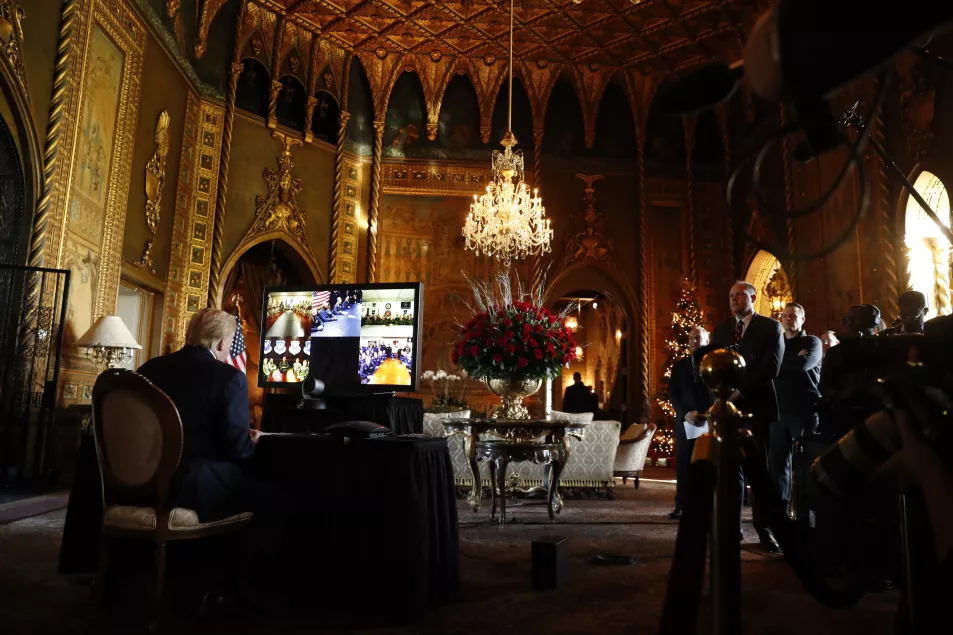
(355, 338)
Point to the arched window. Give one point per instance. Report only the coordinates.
(928, 251)
(768, 278)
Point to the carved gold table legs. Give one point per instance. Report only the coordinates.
(499, 454)
(475, 496)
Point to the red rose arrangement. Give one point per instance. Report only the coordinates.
(518, 341)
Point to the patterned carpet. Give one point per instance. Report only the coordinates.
(495, 567)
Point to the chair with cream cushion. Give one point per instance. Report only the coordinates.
(633, 450)
(139, 445)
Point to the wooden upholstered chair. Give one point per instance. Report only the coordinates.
(633, 450)
(139, 445)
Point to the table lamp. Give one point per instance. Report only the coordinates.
(108, 340)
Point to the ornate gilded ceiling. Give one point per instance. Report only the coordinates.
(650, 34)
(590, 43)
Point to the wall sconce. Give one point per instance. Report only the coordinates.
(579, 355)
(618, 335)
(108, 341)
(595, 305)
(571, 323)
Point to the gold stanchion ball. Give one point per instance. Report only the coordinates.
(722, 369)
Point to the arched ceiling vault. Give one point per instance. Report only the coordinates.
(591, 42)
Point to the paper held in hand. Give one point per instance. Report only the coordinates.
(693, 432)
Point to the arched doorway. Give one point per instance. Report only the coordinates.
(927, 249)
(613, 306)
(770, 281)
(273, 263)
(597, 321)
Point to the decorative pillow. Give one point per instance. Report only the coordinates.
(582, 417)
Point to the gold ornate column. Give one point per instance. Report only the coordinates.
(724, 125)
(791, 266)
(336, 211)
(688, 123)
(272, 120)
(645, 334)
(309, 118)
(51, 149)
(537, 262)
(374, 212)
(221, 193)
(887, 225)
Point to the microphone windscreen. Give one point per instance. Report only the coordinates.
(821, 133)
(699, 89)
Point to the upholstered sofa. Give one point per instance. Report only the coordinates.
(590, 466)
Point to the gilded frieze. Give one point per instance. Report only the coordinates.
(434, 180)
(348, 228)
(11, 38)
(155, 183)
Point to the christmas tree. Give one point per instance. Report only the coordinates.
(687, 315)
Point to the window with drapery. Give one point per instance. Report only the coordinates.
(927, 249)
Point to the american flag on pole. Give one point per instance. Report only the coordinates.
(237, 355)
(319, 299)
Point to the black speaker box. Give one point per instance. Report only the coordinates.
(550, 562)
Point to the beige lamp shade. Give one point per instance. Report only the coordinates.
(109, 331)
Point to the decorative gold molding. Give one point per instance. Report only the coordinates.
(207, 13)
(155, 182)
(11, 38)
(591, 81)
(590, 241)
(434, 180)
(373, 213)
(344, 236)
(173, 326)
(277, 215)
(278, 210)
(487, 77)
(172, 8)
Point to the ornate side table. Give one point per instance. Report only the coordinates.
(535, 440)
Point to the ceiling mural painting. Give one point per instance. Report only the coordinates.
(592, 44)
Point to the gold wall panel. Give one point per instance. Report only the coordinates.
(348, 233)
(92, 182)
(173, 324)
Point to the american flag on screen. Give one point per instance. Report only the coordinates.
(237, 355)
(319, 299)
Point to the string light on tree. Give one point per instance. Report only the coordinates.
(687, 315)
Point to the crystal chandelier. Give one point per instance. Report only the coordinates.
(508, 221)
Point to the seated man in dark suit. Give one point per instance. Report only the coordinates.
(212, 400)
(214, 476)
(577, 397)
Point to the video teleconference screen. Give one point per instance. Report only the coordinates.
(361, 337)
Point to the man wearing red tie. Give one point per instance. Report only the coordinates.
(760, 341)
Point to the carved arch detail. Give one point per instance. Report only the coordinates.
(207, 13)
(590, 82)
(538, 82)
(487, 80)
(435, 75)
(382, 69)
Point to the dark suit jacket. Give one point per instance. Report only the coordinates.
(686, 391)
(800, 375)
(577, 398)
(212, 400)
(761, 347)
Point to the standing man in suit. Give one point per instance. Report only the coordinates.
(690, 399)
(798, 394)
(760, 342)
(577, 397)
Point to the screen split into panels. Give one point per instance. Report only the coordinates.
(351, 337)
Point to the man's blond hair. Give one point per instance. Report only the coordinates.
(208, 326)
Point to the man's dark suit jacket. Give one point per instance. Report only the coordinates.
(577, 399)
(761, 347)
(800, 375)
(686, 391)
(212, 400)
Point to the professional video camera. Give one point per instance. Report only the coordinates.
(913, 373)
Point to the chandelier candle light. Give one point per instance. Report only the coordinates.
(508, 221)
